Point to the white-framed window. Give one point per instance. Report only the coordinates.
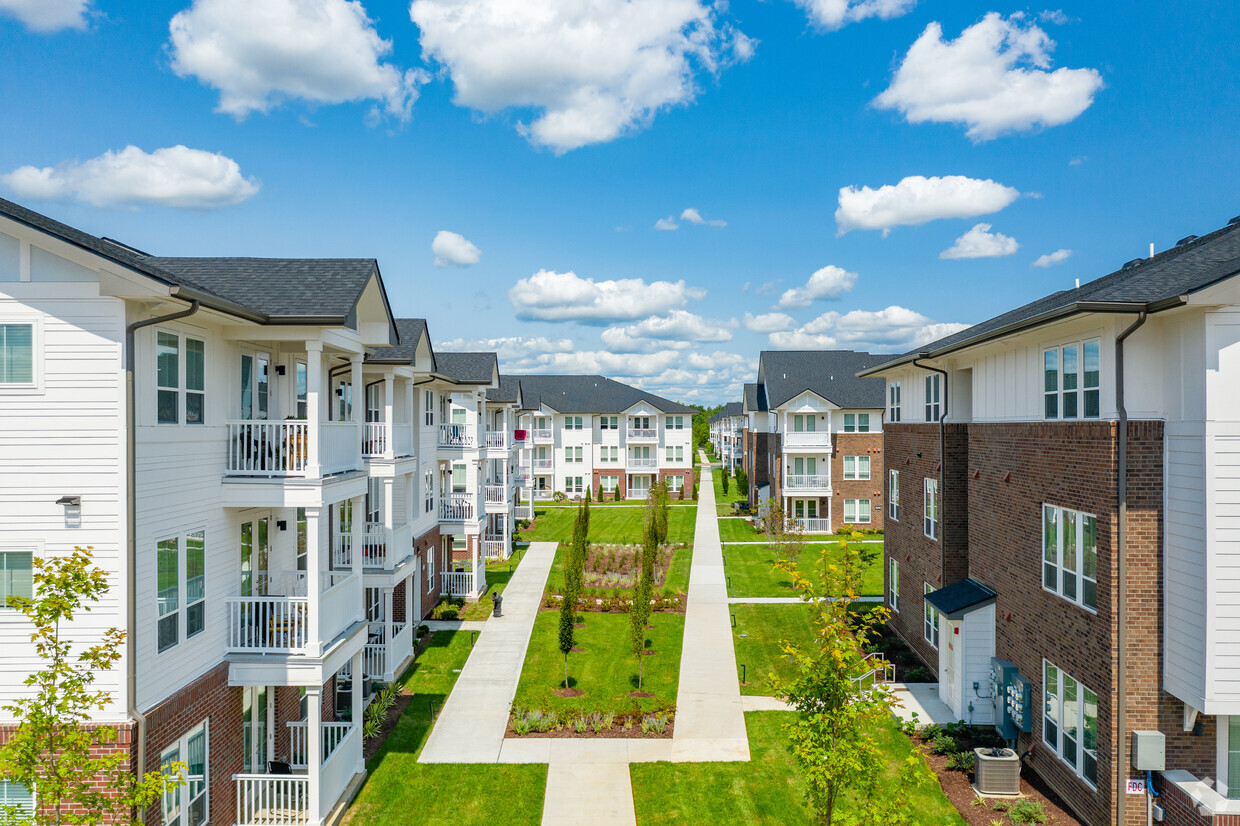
(804, 423)
(893, 495)
(1071, 374)
(675, 422)
(930, 617)
(573, 454)
(856, 422)
(187, 804)
(1070, 555)
(459, 416)
(428, 407)
(930, 508)
(458, 477)
(180, 379)
(16, 576)
(856, 467)
(933, 400)
(609, 422)
(174, 555)
(573, 484)
(19, 366)
(16, 796)
(675, 483)
(675, 453)
(1070, 721)
(430, 569)
(195, 582)
(428, 492)
(893, 583)
(573, 423)
(301, 388)
(609, 483)
(374, 500)
(857, 511)
(893, 401)
(1231, 744)
(255, 385)
(609, 453)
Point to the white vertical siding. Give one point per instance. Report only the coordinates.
(978, 629)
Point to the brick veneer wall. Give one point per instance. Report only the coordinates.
(124, 744)
(599, 473)
(426, 546)
(1181, 810)
(874, 488)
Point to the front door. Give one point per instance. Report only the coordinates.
(950, 660)
(255, 552)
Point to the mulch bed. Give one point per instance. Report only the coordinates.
(958, 789)
(591, 603)
(617, 731)
(371, 745)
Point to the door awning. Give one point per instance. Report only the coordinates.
(961, 598)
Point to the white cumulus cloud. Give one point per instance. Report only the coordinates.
(894, 329)
(667, 224)
(258, 54)
(980, 242)
(994, 78)
(917, 199)
(453, 250)
(565, 296)
(828, 283)
(516, 348)
(48, 15)
(590, 71)
(768, 322)
(694, 217)
(679, 326)
(833, 14)
(175, 176)
(1050, 259)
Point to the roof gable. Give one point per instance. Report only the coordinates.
(829, 374)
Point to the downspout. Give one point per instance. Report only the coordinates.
(1121, 696)
(131, 618)
(942, 468)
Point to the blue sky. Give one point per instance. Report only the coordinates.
(330, 128)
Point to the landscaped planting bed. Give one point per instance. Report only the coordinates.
(611, 574)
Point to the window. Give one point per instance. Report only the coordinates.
(609, 454)
(428, 492)
(17, 576)
(430, 569)
(893, 583)
(17, 355)
(302, 380)
(893, 401)
(675, 422)
(930, 508)
(675, 453)
(16, 796)
(802, 423)
(168, 591)
(857, 511)
(186, 805)
(1070, 555)
(374, 500)
(1233, 757)
(458, 416)
(428, 407)
(458, 477)
(195, 582)
(893, 495)
(573, 454)
(1070, 721)
(930, 617)
(302, 537)
(675, 483)
(609, 422)
(573, 484)
(856, 467)
(172, 381)
(856, 422)
(573, 423)
(169, 583)
(1070, 381)
(255, 387)
(610, 483)
(640, 423)
(933, 400)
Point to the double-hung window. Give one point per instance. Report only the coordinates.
(675, 422)
(16, 576)
(573, 454)
(857, 511)
(930, 508)
(675, 483)
(301, 377)
(893, 495)
(428, 492)
(856, 467)
(804, 422)
(195, 583)
(14, 795)
(893, 401)
(1071, 381)
(893, 583)
(675, 453)
(187, 804)
(458, 477)
(609, 483)
(428, 407)
(574, 484)
(573, 423)
(17, 362)
(933, 399)
(169, 583)
(180, 379)
(609, 422)
(1070, 721)
(930, 617)
(1070, 554)
(856, 422)
(255, 386)
(430, 569)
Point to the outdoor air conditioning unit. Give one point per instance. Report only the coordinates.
(997, 771)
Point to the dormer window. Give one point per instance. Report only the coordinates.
(1071, 381)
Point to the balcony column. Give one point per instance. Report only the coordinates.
(359, 405)
(411, 405)
(314, 407)
(413, 601)
(315, 565)
(389, 635)
(389, 419)
(355, 696)
(314, 745)
(355, 557)
(389, 508)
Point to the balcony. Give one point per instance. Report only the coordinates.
(381, 657)
(380, 548)
(285, 625)
(496, 440)
(643, 434)
(544, 495)
(284, 799)
(376, 440)
(795, 483)
(543, 464)
(456, 436)
(811, 524)
(464, 583)
(495, 547)
(819, 440)
(643, 462)
(286, 449)
(458, 507)
(637, 494)
(542, 434)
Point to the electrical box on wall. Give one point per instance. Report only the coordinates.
(999, 671)
(1020, 702)
(1149, 751)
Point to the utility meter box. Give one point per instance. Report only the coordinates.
(1020, 702)
(1149, 751)
(999, 675)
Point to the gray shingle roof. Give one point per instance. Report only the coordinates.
(411, 331)
(467, 368)
(832, 374)
(728, 411)
(1153, 284)
(508, 391)
(590, 394)
(753, 399)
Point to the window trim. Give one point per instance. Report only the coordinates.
(1079, 572)
(895, 410)
(1082, 752)
(929, 618)
(35, 385)
(856, 505)
(35, 550)
(183, 792)
(893, 583)
(1078, 393)
(181, 612)
(934, 382)
(893, 495)
(182, 389)
(26, 806)
(856, 471)
(930, 521)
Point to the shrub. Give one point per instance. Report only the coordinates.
(918, 674)
(525, 721)
(654, 723)
(1027, 811)
(961, 761)
(931, 730)
(580, 723)
(944, 744)
(559, 496)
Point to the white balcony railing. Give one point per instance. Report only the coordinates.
(458, 507)
(461, 583)
(643, 461)
(380, 657)
(542, 434)
(806, 482)
(339, 447)
(544, 495)
(272, 799)
(496, 440)
(379, 550)
(456, 435)
(375, 439)
(543, 464)
(643, 434)
(331, 736)
(811, 524)
(495, 494)
(281, 625)
(339, 768)
(638, 493)
(495, 547)
(808, 438)
(262, 448)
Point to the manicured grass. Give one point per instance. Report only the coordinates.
(723, 502)
(767, 790)
(766, 627)
(498, 574)
(466, 794)
(605, 669)
(739, 530)
(677, 573)
(751, 570)
(615, 525)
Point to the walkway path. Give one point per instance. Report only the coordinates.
(471, 727)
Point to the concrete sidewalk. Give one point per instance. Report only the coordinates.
(471, 727)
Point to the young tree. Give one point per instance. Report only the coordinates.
(639, 612)
(567, 626)
(742, 481)
(838, 699)
(662, 510)
(724, 475)
(75, 774)
(575, 560)
(776, 523)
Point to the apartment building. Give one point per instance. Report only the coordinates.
(248, 448)
(726, 428)
(592, 432)
(814, 437)
(1062, 488)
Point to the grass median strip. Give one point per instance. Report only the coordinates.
(615, 525)
(751, 571)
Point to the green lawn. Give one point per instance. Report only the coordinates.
(616, 525)
(468, 795)
(677, 572)
(723, 502)
(766, 790)
(765, 628)
(751, 570)
(605, 669)
(498, 574)
(739, 530)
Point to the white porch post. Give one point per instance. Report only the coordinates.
(359, 405)
(389, 419)
(358, 526)
(389, 635)
(356, 696)
(389, 507)
(314, 745)
(316, 561)
(414, 600)
(314, 406)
